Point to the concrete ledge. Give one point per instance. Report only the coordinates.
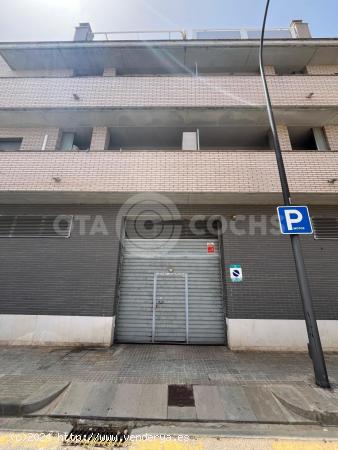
(278, 334)
(56, 330)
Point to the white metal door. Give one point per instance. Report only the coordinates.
(170, 308)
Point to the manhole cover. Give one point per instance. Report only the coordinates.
(180, 395)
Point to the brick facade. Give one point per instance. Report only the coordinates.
(270, 70)
(324, 69)
(284, 138)
(194, 172)
(331, 132)
(166, 92)
(77, 276)
(33, 138)
(100, 139)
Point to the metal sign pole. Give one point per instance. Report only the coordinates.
(315, 346)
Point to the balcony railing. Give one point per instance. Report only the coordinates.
(144, 35)
(208, 33)
(242, 33)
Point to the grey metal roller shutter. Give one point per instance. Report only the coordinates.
(185, 282)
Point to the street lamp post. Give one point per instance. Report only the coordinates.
(315, 346)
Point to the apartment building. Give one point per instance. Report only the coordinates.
(138, 180)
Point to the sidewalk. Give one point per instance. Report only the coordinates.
(138, 382)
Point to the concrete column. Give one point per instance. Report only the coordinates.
(331, 132)
(320, 138)
(270, 70)
(190, 140)
(109, 72)
(100, 139)
(300, 29)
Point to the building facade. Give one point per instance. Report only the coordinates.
(134, 173)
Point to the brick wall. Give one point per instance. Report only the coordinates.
(33, 138)
(270, 70)
(144, 92)
(331, 132)
(6, 71)
(224, 172)
(323, 69)
(284, 138)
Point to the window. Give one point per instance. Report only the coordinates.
(10, 144)
(76, 139)
(35, 226)
(306, 138)
(325, 227)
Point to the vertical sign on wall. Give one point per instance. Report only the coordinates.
(236, 273)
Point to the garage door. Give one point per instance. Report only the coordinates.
(171, 294)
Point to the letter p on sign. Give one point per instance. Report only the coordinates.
(294, 220)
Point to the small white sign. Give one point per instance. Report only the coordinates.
(236, 273)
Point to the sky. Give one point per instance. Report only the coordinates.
(53, 20)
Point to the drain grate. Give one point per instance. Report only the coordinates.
(180, 395)
(97, 436)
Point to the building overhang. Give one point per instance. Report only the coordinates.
(211, 56)
(207, 116)
(179, 198)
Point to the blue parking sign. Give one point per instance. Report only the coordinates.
(294, 220)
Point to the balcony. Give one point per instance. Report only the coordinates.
(187, 177)
(166, 92)
(86, 101)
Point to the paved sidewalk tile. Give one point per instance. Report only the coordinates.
(140, 401)
(98, 400)
(156, 364)
(104, 400)
(72, 400)
(182, 413)
(223, 403)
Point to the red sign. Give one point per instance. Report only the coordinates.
(211, 247)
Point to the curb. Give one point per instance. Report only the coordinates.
(314, 414)
(41, 398)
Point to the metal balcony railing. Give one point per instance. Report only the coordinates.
(143, 35)
(242, 33)
(226, 33)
